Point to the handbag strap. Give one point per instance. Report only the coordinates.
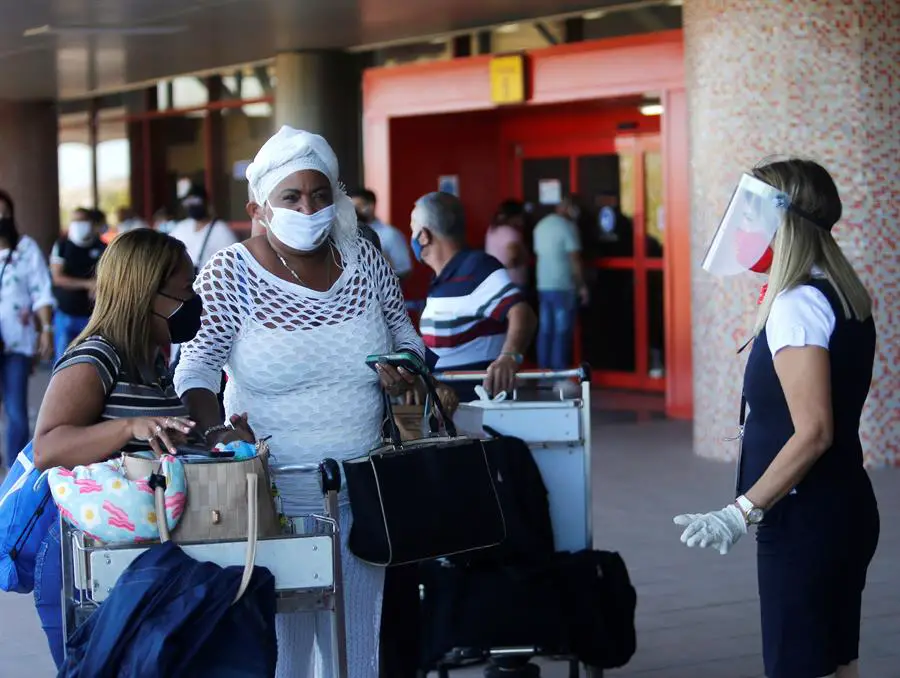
(252, 524)
(209, 230)
(432, 401)
(157, 482)
(252, 535)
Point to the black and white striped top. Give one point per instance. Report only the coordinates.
(124, 396)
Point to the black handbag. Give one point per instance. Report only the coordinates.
(423, 499)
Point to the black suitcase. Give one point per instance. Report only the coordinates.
(479, 608)
(580, 604)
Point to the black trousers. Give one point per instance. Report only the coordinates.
(399, 651)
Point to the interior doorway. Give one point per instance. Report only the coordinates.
(618, 183)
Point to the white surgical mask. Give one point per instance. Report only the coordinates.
(81, 232)
(301, 232)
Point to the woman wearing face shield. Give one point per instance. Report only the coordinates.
(291, 315)
(801, 480)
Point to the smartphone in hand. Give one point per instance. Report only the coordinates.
(408, 361)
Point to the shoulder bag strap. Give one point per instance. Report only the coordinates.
(209, 230)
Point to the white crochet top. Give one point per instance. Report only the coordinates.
(295, 357)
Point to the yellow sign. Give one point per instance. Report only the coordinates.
(508, 79)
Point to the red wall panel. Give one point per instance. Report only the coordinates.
(425, 147)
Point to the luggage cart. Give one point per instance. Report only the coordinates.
(556, 425)
(306, 567)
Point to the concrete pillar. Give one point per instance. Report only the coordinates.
(29, 172)
(320, 91)
(816, 78)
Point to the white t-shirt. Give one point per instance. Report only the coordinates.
(220, 237)
(394, 247)
(799, 317)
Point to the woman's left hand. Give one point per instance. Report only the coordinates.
(395, 380)
(719, 529)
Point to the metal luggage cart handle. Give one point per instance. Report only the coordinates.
(582, 374)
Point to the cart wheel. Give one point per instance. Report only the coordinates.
(331, 476)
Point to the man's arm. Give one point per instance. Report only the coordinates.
(501, 374)
(67, 282)
(522, 325)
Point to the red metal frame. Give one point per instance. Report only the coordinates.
(639, 264)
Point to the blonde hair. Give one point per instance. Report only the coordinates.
(129, 275)
(804, 241)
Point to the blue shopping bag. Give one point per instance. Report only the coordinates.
(26, 514)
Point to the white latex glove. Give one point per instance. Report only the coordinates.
(720, 529)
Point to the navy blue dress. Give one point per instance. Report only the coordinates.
(815, 545)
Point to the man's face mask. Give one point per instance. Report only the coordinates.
(744, 238)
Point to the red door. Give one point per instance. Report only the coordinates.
(619, 186)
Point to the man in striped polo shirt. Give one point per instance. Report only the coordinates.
(475, 318)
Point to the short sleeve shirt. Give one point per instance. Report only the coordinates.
(800, 316)
(464, 323)
(125, 395)
(555, 240)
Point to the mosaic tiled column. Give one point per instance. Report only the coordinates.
(816, 78)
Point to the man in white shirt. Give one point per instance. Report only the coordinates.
(202, 235)
(393, 242)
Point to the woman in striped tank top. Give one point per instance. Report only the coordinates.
(110, 391)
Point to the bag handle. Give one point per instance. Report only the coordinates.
(159, 489)
(446, 423)
(252, 535)
(157, 482)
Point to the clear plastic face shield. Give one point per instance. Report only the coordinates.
(746, 232)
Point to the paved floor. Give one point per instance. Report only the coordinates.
(697, 611)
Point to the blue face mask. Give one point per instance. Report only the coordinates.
(416, 247)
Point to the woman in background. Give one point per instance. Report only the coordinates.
(26, 323)
(505, 241)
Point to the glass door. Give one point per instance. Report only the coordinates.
(618, 185)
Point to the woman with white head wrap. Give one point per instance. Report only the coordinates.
(291, 316)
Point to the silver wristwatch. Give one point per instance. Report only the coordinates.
(752, 514)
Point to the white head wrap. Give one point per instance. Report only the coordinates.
(291, 150)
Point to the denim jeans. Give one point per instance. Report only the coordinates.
(48, 591)
(15, 369)
(556, 329)
(66, 328)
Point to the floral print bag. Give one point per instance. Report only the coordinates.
(103, 503)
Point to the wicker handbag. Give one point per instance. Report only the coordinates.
(227, 500)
